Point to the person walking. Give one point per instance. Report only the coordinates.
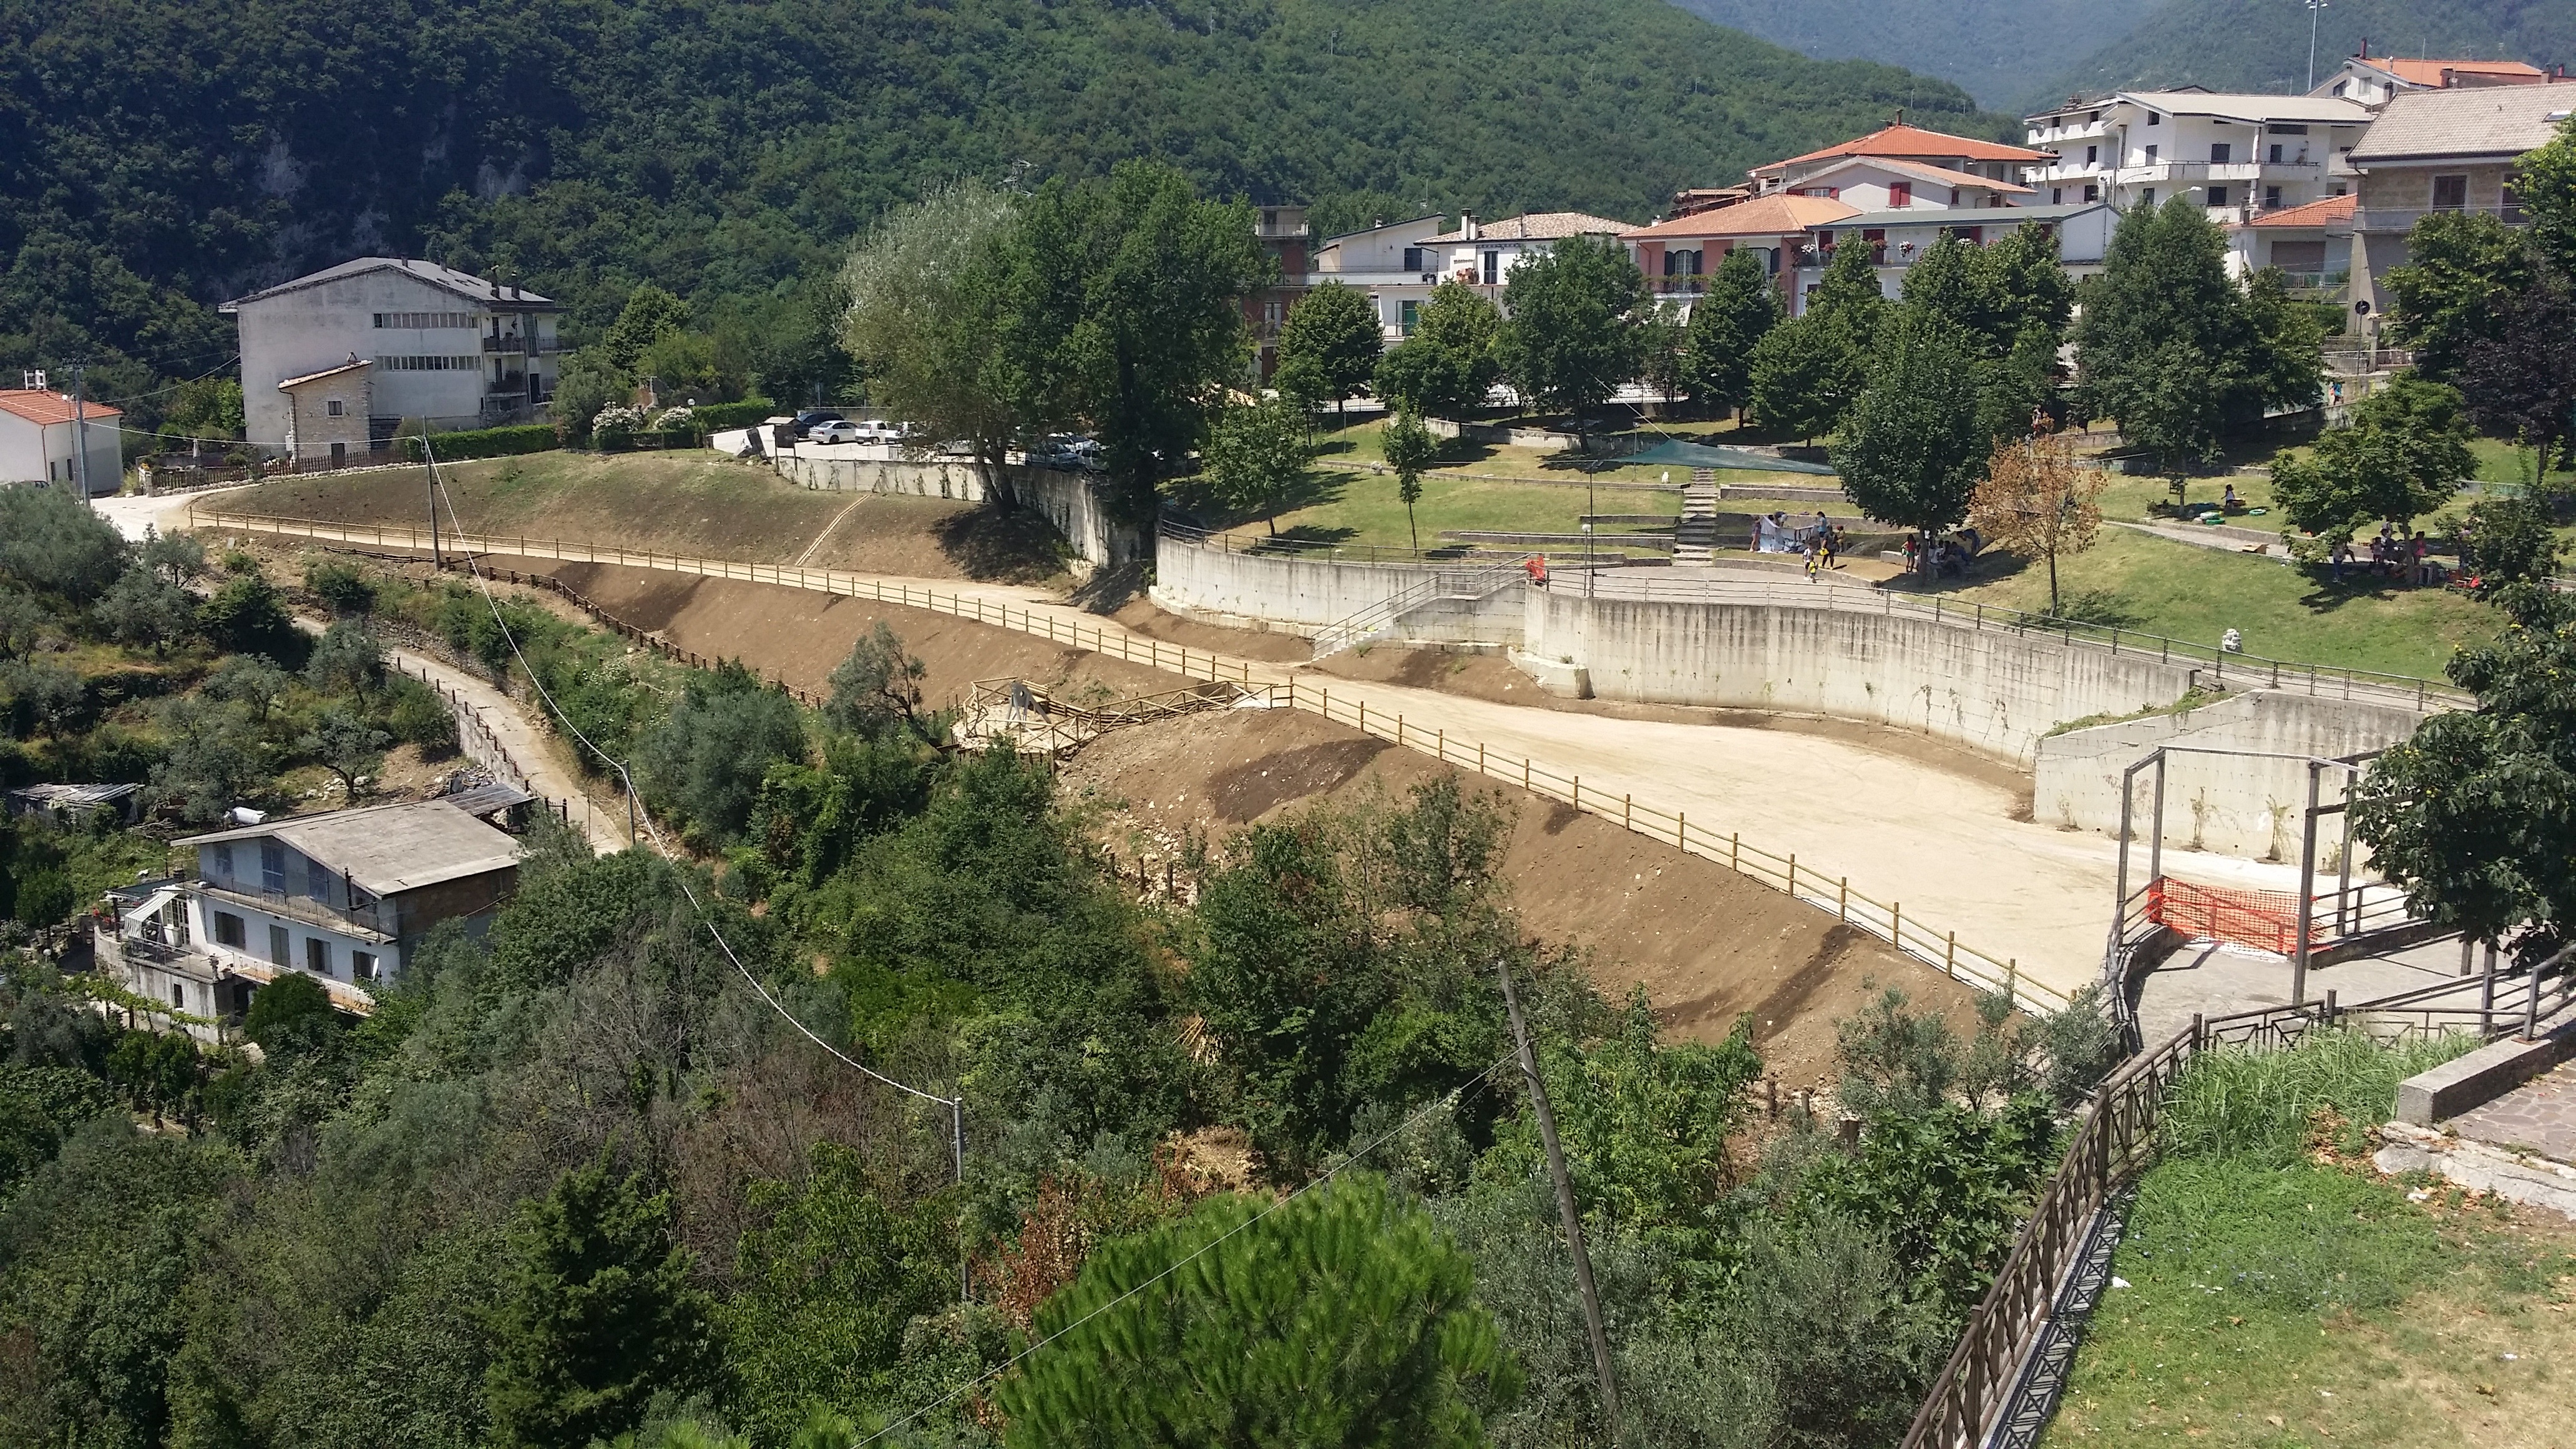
(2341, 555)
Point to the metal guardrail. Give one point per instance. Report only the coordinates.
(1802, 881)
(1367, 623)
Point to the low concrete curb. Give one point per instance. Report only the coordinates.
(2483, 1075)
(1571, 681)
(2515, 1176)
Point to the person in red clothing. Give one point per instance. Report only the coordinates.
(1536, 567)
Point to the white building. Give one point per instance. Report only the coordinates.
(2237, 154)
(343, 897)
(1965, 164)
(1393, 262)
(2435, 151)
(444, 346)
(43, 434)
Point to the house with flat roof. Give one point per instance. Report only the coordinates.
(48, 436)
(442, 347)
(344, 897)
(2238, 155)
(2435, 151)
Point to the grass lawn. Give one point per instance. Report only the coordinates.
(2280, 1292)
(1362, 508)
(1359, 443)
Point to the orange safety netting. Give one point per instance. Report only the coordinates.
(2265, 920)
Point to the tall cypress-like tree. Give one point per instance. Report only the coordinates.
(1738, 309)
(599, 1315)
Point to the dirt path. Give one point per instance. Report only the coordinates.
(1942, 844)
(524, 745)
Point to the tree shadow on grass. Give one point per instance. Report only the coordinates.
(2100, 608)
(1193, 501)
(1017, 546)
(2327, 595)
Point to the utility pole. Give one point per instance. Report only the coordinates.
(2314, 6)
(1565, 1210)
(438, 561)
(957, 1140)
(80, 432)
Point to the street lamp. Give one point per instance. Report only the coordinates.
(2314, 6)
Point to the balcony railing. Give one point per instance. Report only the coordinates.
(519, 345)
(376, 920)
(2403, 219)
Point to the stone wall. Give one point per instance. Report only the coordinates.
(1067, 500)
(2236, 804)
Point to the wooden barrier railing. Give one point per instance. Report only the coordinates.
(1832, 893)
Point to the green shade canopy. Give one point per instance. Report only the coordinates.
(1700, 455)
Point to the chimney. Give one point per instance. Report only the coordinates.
(1467, 225)
(2365, 47)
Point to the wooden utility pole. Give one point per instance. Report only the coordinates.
(1565, 1208)
(429, 478)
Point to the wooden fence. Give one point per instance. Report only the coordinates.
(1803, 880)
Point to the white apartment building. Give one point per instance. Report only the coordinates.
(343, 897)
(1393, 262)
(1980, 173)
(2239, 155)
(440, 345)
(2375, 80)
(44, 435)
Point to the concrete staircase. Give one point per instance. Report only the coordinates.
(1695, 535)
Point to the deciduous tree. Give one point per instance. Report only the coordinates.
(345, 745)
(1447, 367)
(1334, 326)
(2405, 452)
(2508, 541)
(2462, 268)
(1410, 449)
(1913, 448)
(2036, 502)
(2522, 382)
(1255, 459)
(923, 320)
(1569, 337)
(1736, 311)
(876, 691)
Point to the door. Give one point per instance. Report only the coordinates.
(339, 455)
(280, 949)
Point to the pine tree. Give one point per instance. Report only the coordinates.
(1739, 308)
(599, 1315)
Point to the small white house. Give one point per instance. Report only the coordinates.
(442, 346)
(2375, 80)
(44, 435)
(343, 897)
(1394, 262)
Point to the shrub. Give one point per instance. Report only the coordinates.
(614, 429)
(341, 585)
(416, 715)
(718, 417)
(486, 443)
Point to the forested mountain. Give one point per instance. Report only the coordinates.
(157, 156)
(2262, 45)
(1997, 49)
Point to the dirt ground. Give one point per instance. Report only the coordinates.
(1706, 943)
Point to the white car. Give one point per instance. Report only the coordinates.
(836, 431)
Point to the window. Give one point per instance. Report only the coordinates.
(336, 408)
(317, 880)
(1900, 195)
(1408, 313)
(2274, 155)
(2284, 129)
(2450, 193)
(224, 861)
(280, 948)
(2147, 197)
(431, 364)
(1875, 239)
(272, 867)
(362, 966)
(2092, 154)
(317, 955)
(2151, 155)
(2271, 198)
(1493, 268)
(2218, 196)
(229, 932)
(427, 321)
(2154, 120)
(1413, 259)
(2056, 195)
(2512, 198)
(2339, 87)
(178, 995)
(2092, 193)
(2221, 152)
(1269, 221)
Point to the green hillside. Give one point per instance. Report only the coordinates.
(1997, 49)
(2262, 45)
(157, 156)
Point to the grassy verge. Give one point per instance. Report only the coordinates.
(2279, 1292)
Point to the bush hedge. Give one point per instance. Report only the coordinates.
(718, 417)
(487, 443)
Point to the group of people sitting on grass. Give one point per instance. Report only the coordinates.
(2396, 552)
(1944, 556)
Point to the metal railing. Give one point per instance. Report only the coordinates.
(2403, 218)
(1979, 1386)
(1438, 584)
(1803, 881)
(372, 921)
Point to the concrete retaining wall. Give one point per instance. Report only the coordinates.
(1067, 500)
(1993, 690)
(2235, 805)
(1270, 591)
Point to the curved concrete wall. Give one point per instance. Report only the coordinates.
(1066, 500)
(1271, 591)
(2236, 804)
(1995, 690)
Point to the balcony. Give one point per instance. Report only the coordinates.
(2403, 219)
(374, 923)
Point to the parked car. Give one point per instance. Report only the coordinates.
(804, 423)
(1069, 451)
(836, 431)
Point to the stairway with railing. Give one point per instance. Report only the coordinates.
(1435, 586)
(1695, 534)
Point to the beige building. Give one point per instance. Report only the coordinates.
(326, 414)
(2442, 151)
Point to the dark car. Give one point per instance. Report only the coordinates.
(806, 421)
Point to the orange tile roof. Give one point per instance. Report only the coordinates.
(37, 405)
(1764, 216)
(2429, 72)
(1937, 175)
(1903, 140)
(2316, 213)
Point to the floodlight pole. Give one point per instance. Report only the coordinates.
(2307, 889)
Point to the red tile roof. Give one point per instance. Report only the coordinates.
(1905, 141)
(1937, 175)
(1764, 216)
(2315, 213)
(37, 405)
(2430, 72)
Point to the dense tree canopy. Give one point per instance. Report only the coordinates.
(1571, 315)
(2404, 453)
